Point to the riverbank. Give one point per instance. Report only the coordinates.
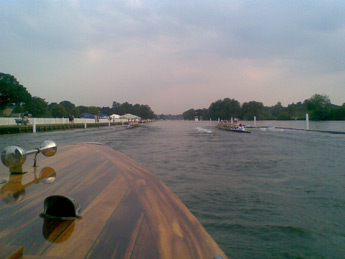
(13, 129)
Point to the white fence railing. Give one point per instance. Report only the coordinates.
(12, 121)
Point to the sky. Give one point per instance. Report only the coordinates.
(175, 55)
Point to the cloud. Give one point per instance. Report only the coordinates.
(175, 55)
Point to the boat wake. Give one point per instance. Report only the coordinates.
(203, 130)
(271, 129)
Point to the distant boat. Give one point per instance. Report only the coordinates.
(196, 118)
(238, 130)
(132, 124)
(232, 127)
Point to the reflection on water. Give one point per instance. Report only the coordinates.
(269, 194)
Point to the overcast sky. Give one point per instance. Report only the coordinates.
(175, 55)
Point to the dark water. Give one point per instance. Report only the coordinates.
(269, 194)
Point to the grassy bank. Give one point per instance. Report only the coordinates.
(13, 129)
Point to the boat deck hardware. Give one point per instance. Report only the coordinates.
(61, 207)
(14, 156)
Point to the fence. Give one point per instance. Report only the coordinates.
(8, 121)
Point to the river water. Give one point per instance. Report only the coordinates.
(270, 194)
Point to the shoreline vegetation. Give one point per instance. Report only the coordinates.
(319, 108)
(16, 100)
(29, 128)
(14, 129)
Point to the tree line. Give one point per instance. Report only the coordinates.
(14, 95)
(319, 107)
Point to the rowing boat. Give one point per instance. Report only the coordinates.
(90, 201)
(233, 128)
(237, 130)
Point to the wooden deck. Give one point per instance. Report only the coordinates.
(126, 211)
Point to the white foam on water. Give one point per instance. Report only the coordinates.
(203, 130)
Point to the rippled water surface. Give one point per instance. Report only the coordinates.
(273, 193)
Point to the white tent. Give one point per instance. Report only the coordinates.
(130, 117)
(115, 116)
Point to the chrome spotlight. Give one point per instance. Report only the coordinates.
(14, 156)
(48, 148)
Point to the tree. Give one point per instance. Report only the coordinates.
(75, 112)
(203, 114)
(189, 115)
(283, 116)
(107, 110)
(215, 110)
(58, 111)
(297, 110)
(68, 107)
(125, 108)
(144, 111)
(231, 108)
(277, 109)
(251, 109)
(38, 107)
(319, 107)
(225, 109)
(116, 105)
(11, 92)
(338, 112)
(89, 109)
(116, 108)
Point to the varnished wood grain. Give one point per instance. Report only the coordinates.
(126, 211)
(120, 231)
(93, 222)
(11, 252)
(145, 243)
